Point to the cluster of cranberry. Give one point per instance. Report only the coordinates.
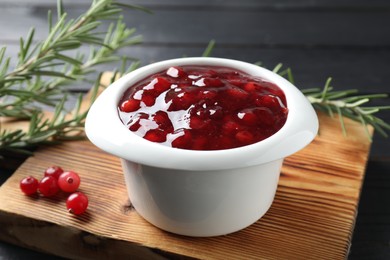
(54, 180)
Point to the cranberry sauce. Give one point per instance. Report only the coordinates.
(203, 108)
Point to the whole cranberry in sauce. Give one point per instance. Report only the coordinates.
(203, 108)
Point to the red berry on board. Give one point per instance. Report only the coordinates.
(69, 181)
(77, 203)
(54, 171)
(48, 186)
(29, 185)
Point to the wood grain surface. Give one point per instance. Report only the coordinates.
(312, 217)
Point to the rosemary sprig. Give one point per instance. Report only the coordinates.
(45, 69)
(45, 131)
(344, 103)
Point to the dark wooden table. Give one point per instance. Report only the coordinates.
(348, 40)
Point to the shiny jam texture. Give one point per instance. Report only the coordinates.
(203, 108)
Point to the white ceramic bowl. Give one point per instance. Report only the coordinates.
(200, 193)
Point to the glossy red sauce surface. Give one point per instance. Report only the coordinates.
(203, 108)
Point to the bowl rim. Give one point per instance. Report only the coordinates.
(105, 129)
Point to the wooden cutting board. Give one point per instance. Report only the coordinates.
(312, 217)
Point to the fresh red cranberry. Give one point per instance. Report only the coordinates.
(54, 171)
(48, 186)
(69, 181)
(203, 108)
(29, 185)
(77, 203)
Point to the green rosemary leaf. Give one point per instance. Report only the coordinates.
(370, 96)
(84, 29)
(33, 124)
(382, 123)
(277, 68)
(290, 76)
(68, 59)
(15, 134)
(368, 111)
(95, 88)
(136, 7)
(326, 89)
(4, 68)
(2, 52)
(50, 20)
(27, 45)
(59, 109)
(329, 110)
(357, 103)
(341, 94)
(370, 120)
(76, 110)
(19, 150)
(53, 32)
(363, 122)
(106, 60)
(309, 91)
(133, 66)
(109, 13)
(67, 45)
(52, 65)
(341, 121)
(60, 9)
(110, 28)
(43, 68)
(209, 49)
(22, 52)
(49, 73)
(42, 136)
(42, 60)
